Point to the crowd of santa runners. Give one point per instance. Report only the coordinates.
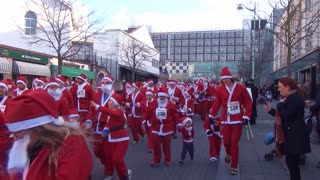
(49, 130)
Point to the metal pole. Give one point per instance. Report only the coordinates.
(253, 40)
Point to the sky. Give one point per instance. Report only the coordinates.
(174, 15)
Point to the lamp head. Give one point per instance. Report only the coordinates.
(239, 7)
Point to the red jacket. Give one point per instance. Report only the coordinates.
(67, 94)
(187, 136)
(82, 99)
(209, 93)
(177, 93)
(135, 101)
(99, 119)
(189, 106)
(74, 161)
(212, 126)
(162, 126)
(63, 107)
(240, 104)
(116, 124)
(144, 108)
(15, 93)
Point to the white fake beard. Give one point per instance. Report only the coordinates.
(74, 124)
(18, 155)
(107, 88)
(162, 102)
(56, 94)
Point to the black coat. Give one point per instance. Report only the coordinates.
(297, 139)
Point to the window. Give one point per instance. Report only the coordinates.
(30, 23)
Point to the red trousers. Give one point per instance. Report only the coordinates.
(83, 117)
(115, 158)
(135, 125)
(148, 133)
(231, 139)
(205, 109)
(165, 141)
(101, 150)
(196, 108)
(214, 145)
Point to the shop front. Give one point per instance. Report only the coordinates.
(24, 63)
(5, 67)
(126, 74)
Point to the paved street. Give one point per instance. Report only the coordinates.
(252, 164)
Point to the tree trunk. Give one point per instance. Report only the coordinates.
(133, 74)
(60, 65)
(288, 62)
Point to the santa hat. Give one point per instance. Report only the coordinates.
(171, 81)
(185, 120)
(52, 82)
(4, 84)
(150, 92)
(136, 84)
(150, 81)
(42, 80)
(73, 113)
(117, 99)
(8, 81)
(225, 73)
(108, 77)
(22, 79)
(82, 77)
(34, 80)
(30, 110)
(60, 79)
(163, 92)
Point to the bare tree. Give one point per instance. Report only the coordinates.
(58, 27)
(299, 21)
(134, 53)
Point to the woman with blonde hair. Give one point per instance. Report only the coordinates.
(42, 149)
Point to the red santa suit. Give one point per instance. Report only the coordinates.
(176, 96)
(117, 138)
(72, 159)
(82, 95)
(163, 117)
(99, 121)
(207, 101)
(212, 129)
(65, 92)
(188, 107)
(236, 105)
(135, 121)
(146, 123)
(19, 92)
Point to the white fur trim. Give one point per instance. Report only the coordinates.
(184, 122)
(29, 123)
(106, 78)
(57, 79)
(114, 101)
(148, 92)
(19, 81)
(245, 117)
(52, 84)
(4, 85)
(162, 94)
(226, 77)
(73, 116)
(59, 121)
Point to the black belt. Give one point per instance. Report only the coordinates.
(115, 128)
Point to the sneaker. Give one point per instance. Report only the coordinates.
(167, 164)
(129, 174)
(227, 159)
(154, 164)
(234, 172)
(213, 159)
(108, 177)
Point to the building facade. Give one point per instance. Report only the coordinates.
(231, 48)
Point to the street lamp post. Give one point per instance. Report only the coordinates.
(241, 7)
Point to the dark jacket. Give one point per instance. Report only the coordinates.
(297, 139)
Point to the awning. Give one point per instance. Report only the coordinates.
(32, 69)
(138, 71)
(73, 72)
(5, 66)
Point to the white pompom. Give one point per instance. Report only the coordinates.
(58, 121)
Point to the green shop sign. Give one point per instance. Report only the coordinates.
(23, 56)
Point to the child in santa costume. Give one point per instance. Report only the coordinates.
(187, 131)
(236, 105)
(42, 149)
(116, 135)
(22, 87)
(162, 115)
(212, 128)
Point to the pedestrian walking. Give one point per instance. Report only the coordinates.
(187, 131)
(291, 110)
(212, 128)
